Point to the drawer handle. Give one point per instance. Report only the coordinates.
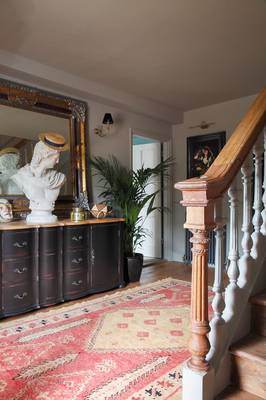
(20, 270)
(77, 260)
(77, 283)
(20, 245)
(20, 296)
(77, 238)
(92, 256)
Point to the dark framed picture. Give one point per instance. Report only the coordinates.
(202, 151)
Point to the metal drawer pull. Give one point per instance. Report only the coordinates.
(77, 260)
(20, 245)
(20, 270)
(77, 238)
(92, 256)
(77, 283)
(20, 296)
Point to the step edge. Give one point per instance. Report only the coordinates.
(259, 299)
(249, 356)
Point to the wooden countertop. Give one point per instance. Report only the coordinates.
(61, 222)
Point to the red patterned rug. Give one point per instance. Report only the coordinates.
(129, 345)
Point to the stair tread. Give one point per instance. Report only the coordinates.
(233, 393)
(259, 299)
(252, 347)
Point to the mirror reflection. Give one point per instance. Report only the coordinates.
(19, 133)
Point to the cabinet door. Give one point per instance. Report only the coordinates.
(50, 266)
(106, 263)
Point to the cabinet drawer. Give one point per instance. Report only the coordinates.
(75, 237)
(49, 240)
(50, 292)
(17, 243)
(49, 264)
(75, 284)
(18, 271)
(19, 298)
(75, 260)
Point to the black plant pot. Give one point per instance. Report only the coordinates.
(133, 267)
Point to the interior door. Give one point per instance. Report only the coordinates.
(149, 155)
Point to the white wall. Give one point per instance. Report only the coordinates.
(226, 117)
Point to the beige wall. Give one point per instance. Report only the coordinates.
(226, 116)
(119, 142)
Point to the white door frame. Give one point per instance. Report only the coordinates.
(168, 191)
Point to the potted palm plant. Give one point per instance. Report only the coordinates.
(126, 190)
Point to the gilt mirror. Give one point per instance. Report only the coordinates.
(24, 113)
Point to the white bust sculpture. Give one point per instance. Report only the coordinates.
(40, 183)
(9, 165)
(6, 214)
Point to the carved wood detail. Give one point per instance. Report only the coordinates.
(199, 344)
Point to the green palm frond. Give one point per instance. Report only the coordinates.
(127, 190)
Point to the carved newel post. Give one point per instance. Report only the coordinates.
(198, 222)
(199, 344)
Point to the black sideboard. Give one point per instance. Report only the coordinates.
(48, 264)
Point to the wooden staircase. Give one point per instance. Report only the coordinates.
(231, 197)
(249, 358)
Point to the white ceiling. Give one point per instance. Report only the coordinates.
(181, 53)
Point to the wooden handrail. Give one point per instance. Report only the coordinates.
(227, 164)
(199, 195)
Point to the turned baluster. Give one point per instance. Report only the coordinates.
(218, 286)
(257, 204)
(233, 256)
(263, 214)
(246, 260)
(218, 303)
(246, 242)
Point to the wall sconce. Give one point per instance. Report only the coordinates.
(107, 126)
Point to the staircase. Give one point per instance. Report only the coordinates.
(249, 357)
(230, 196)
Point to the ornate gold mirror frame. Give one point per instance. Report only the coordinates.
(33, 99)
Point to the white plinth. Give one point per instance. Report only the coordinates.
(197, 385)
(41, 217)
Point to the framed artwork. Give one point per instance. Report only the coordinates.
(202, 151)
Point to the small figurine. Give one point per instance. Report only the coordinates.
(39, 181)
(6, 214)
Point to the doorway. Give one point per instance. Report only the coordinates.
(147, 152)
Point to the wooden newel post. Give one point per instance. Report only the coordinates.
(199, 344)
(199, 221)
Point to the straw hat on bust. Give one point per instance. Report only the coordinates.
(54, 141)
(9, 150)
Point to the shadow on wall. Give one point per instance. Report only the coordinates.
(13, 24)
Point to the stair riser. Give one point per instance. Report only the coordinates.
(249, 375)
(259, 319)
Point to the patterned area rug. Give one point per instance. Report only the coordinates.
(129, 345)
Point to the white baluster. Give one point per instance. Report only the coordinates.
(257, 205)
(246, 259)
(218, 286)
(233, 256)
(263, 214)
